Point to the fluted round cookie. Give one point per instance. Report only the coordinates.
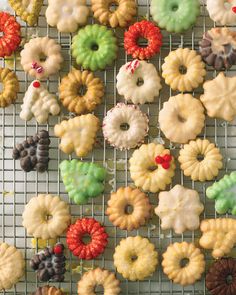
(207, 167)
(98, 276)
(48, 290)
(181, 118)
(218, 48)
(12, 266)
(125, 126)
(118, 208)
(183, 69)
(132, 254)
(219, 97)
(46, 216)
(147, 172)
(138, 81)
(192, 271)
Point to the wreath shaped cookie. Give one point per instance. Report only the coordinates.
(33, 54)
(73, 83)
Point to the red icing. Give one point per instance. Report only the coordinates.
(234, 9)
(11, 34)
(164, 161)
(58, 249)
(147, 30)
(36, 84)
(93, 228)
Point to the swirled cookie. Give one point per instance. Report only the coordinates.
(198, 168)
(183, 69)
(219, 97)
(10, 87)
(222, 11)
(48, 290)
(179, 209)
(12, 266)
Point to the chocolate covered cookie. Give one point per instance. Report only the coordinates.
(33, 152)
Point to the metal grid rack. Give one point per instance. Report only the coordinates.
(17, 187)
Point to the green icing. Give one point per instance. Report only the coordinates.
(82, 180)
(224, 194)
(94, 47)
(175, 16)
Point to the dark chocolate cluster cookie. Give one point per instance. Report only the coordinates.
(50, 264)
(33, 152)
(218, 48)
(221, 277)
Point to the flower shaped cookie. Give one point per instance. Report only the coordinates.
(223, 192)
(219, 97)
(82, 180)
(67, 15)
(179, 209)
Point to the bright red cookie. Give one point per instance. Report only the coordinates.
(82, 227)
(144, 29)
(11, 34)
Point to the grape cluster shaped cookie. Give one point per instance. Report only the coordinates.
(82, 180)
(50, 264)
(33, 152)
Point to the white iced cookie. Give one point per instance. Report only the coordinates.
(12, 266)
(181, 118)
(138, 81)
(222, 11)
(38, 102)
(125, 126)
(219, 97)
(67, 15)
(179, 209)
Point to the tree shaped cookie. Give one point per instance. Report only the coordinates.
(77, 134)
(224, 194)
(38, 102)
(218, 234)
(28, 10)
(179, 209)
(82, 180)
(33, 152)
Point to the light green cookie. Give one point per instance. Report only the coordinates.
(224, 194)
(175, 16)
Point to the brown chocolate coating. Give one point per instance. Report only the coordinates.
(221, 277)
(48, 290)
(221, 56)
(33, 152)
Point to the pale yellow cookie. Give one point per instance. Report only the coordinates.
(135, 258)
(187, 274)
(204, 168)
(183, 69)
(119, 203)
(146, 172)
(219, 97)
(46, 217)
(219, 235)
(179, 209)
(77, 134)
(12, 266)
(181, 118)
(95, 277)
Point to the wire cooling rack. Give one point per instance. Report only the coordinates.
(17, 187)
